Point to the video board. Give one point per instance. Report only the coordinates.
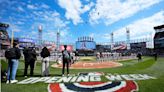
(85, 45)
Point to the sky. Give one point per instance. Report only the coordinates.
(77, 18)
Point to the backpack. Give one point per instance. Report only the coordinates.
(66, 55)
(10, 53)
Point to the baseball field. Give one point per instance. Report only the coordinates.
(129, 70)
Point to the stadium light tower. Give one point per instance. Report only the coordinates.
(128, 38)
(58, 39)
(112, 40)
(40, 34)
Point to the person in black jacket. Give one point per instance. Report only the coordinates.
(66, 60)
(30, 58)
(139, 55)
(45, 61)
(25, 53)
(155, 56)
(13, 62)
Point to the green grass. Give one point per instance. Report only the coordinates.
(4, 65)
(38, 87)
(89, 59)
(147, 66)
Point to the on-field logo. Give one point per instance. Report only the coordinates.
(91, 74)
(111, 86)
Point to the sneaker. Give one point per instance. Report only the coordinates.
(68, 75)
(25, 76)
(62, 75)
(14, 81)
(7, 82)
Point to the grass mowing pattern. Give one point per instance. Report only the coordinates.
(153, 85)
(147, 66)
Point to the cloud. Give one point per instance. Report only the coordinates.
(33, 7)
(107, 36)
(15, 28)
(110, 11)
(7, 2)
(34, 33)
(92, 35)
(51, 35)
(14, 25)
(51, 22)
(141, 28)
(63, 33)
(50, 19)
(74, 9)
(37, 6)
(25, 18)
(45, 6)
(7, 5)
(19, 22)
(20, 9)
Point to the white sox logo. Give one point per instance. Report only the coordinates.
(111, 86)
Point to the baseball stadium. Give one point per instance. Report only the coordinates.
(76, 46)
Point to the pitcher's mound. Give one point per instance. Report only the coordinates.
(90, 65)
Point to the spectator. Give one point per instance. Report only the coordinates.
(76, 56)
(155, 56)
(101, 56)
(139, 56)
(45, 61)
(72, 58)
(97, 56)
(26, 55)
(13, 55)
(66, 60)
(30, 58)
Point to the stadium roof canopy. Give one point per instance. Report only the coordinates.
(4, 25)
(159, 27)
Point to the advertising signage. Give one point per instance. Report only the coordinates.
(26, 40)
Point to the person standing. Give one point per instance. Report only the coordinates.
(66, 60)
(72, 58)
(26, 55)
(30, 58)
(97, 56)
(45, 61)
(13, 55)
(76, 56)
(101, 57)
(139, 55)
(155, 56)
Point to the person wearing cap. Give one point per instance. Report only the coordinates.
(13, 64)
